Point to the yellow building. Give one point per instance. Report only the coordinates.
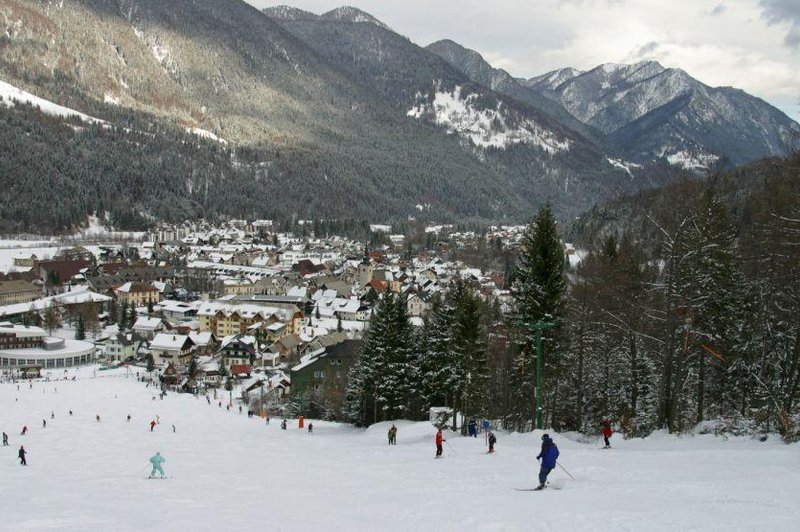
(12, 292)
(226, 319)
(138, 294)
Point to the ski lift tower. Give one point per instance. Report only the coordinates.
(538, 329)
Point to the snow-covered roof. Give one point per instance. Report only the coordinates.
(146, 323)
(200, 338)
(21, 331)
(78, 295)
(169, 341)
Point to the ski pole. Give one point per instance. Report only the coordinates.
(451, 447)
(565, 471)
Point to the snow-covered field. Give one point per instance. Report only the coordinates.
(228, 472)
(9, 251)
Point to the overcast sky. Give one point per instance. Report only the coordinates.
(750, 44)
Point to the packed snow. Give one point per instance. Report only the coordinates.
(230, 472)
(485, 128)
(10, 94)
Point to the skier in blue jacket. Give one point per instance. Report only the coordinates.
(548, 457)
(157, 460)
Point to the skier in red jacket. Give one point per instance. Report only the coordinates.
(439, 440)
(607, 432)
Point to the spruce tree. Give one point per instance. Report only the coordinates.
(538, 289)
(469, 339)
(438, 354)
(80, 329)
(364, 403)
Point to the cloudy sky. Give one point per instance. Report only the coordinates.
(750, 44)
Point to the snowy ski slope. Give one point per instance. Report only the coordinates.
(228, 472)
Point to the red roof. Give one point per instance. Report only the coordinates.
(238, 369)
(65, 269)
(379, 286)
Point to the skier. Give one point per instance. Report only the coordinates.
(21, 454)
(607, 432)
(70, 413)
(5, 440)
(44, 423)
(492, 441)
(152, 425)
(283, 424)
(52, 414)
(473, 428)
(393, 435)
(97, 417)
(157, 460)
(548, 456)
(24, 429)
(310, 428)
(129, 418)
(174, 430)
(439, 440)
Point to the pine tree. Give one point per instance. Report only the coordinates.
(398, 379)
(52, 320)
(193, 367)
(113, 311)
(438, 355)
(538, 290)
(80, 329)
(364, 403)
(469, 339)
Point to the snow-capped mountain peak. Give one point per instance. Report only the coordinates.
(352, 14)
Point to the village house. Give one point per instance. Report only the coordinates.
(205, 342)
(287, 348)
(174, 348)
(239, 354)
(122, 346)
(25, 261)
(417, 304)
(137, 294)
(176, 309)
(237, 286)
(147, 327)
(326, 369)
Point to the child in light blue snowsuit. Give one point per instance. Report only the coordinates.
(157, 460)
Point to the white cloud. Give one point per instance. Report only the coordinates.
(749, 44)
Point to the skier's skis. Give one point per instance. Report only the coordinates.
(540, 488)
